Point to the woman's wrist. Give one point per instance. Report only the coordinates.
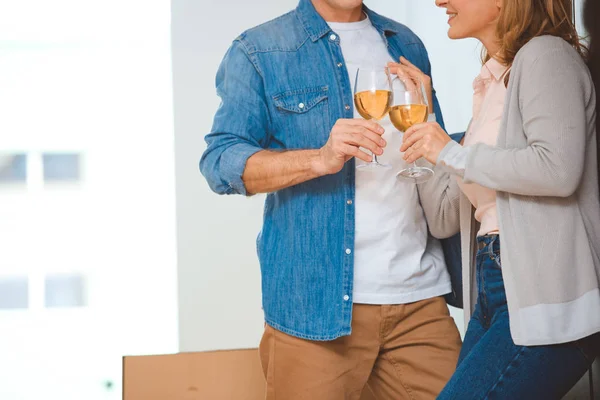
(454, 157)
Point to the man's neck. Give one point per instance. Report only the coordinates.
(332, 14)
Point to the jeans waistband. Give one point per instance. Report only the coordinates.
(488, 243)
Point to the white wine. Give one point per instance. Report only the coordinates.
(373, 104)
(406, 115)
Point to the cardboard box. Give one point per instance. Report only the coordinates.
(215, 375)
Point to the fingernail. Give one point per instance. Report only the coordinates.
(382, 142)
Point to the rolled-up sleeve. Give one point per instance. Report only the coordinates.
(241, 124)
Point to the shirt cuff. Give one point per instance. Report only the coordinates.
(233, 163)
(453, 158)
(431, 118)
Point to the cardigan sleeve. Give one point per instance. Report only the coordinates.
(553, 90)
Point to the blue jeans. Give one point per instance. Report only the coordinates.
(491, 366)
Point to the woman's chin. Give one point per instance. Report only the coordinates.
(455, 34)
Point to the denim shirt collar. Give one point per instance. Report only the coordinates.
(317, 27)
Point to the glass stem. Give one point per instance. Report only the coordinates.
(374, 160)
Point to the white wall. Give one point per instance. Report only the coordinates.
(219, 281)
(92, 78)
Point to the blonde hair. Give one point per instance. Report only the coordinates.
(522, 20)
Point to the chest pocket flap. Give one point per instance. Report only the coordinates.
(300, 101)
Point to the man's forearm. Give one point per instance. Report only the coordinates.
(269, 171)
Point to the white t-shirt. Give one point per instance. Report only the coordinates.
(395, 260)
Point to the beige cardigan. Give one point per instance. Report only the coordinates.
(544, 171)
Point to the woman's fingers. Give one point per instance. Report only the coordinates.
(398, 69)
(414, 152)
(409, 141)
(410, 132)
(408, 64)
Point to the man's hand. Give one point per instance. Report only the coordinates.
(345, 140)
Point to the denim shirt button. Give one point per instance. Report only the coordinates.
(349, 202)
(346, 298)
(332, 37)
(340, 65)
(348, 251)
(347, 107)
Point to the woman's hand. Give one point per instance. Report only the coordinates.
(424, 140)
(405, 67)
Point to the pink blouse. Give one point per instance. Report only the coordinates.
(488, 104)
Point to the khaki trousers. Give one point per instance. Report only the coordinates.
(406, 351)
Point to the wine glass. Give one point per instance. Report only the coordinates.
(372, 98)
(409, 107)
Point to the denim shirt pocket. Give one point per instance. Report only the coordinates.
(303, 116)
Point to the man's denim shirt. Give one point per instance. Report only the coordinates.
(283, 86)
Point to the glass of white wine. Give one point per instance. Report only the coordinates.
(409, 107)
(373, 98)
